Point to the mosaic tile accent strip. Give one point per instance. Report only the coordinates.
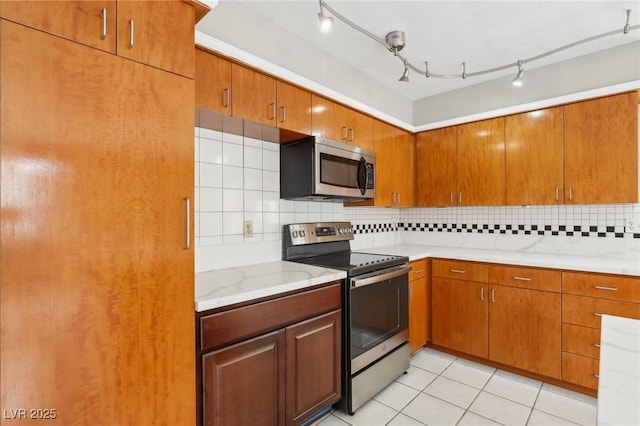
(558, 230)
(369, 228)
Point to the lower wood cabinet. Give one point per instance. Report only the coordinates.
(418, 305)
(272, 363)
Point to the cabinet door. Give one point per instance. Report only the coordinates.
(481, 163)
(213, 82)
(385, 164)
(525, 329)
(254, 95)
(96, 322)
(157, 33)
(417, 313)
(359, 129)
(404, 176)
(244, 384)
(88, 22)
(601, 150)
(534, 157)
(313, 366)
(294, 108)
(436, 168)
(328, 119)
(459, 315)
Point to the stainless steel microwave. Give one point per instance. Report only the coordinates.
(319, 169)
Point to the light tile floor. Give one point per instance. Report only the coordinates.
(440, 389)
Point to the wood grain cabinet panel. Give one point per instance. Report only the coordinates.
(534, 157)
(587, 311)
(525, 329)
(436, 168)
(157, 33)
(580, 370)
(404, 171)
(418, 305)
(624, 289)
(294, 108)
(89, 245)
(601, 150)
(244, 384)
(481, 173)
(327, 119)
(213, 82)
(385, 163)
(460, 270)
(524, 277)
(88, 22)
(359, 129)
(254, 95)
(579, 340)
(313, 366)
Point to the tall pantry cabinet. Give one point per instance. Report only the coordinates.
(96, 268)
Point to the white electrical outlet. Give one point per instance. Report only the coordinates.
(248, 228)
(631, 225)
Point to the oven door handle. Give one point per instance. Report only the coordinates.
(377, 277)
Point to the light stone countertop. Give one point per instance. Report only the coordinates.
(544, 260)
(223, 287)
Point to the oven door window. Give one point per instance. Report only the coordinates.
(378, 312)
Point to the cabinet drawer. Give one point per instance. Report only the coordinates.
(418, 269)
(611, 287)
(532, 278)
(581, 340)
(586, 311)
(248, 321)
(580, 370)
(460, 270)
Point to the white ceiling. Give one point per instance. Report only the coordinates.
(446, 33)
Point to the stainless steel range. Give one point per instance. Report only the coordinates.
(375, 306)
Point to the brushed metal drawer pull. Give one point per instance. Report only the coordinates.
(132, 30)
(458, 271)
(226, 100)
(417, 271)
(493, 295)
(187, 243)
(598, 314)
(104, 23)
(601, 287)
(522, 278)
(597, 376)
(284, 113)
(597, 345)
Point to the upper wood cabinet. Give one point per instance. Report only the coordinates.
(534, 157)
(334, 121)
(404, 176)
(213, 82)
(601, 150)
(88, 22)
(254, 95)
(158, 33)
(481, 163)
(436, 168)
(294, 108)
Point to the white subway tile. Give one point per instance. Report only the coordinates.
(287, 206)
(256, 143)
(210, 134)
(232, 223)
(270, 146)
(271, 181)
(196, 149)
(210, 151)
(232, 200)
(210, 200)
(272, 236)
(301, 217)
(210, 175)
(231, 138)
(287, 218)
(301, 206)
(253, 179)
(270, 201)
(196, 174)
(210, 224)
(232, 154)
(252, 201)
(232, 177)
(210, 241)
(315, 206)
(271, 222)
(252, 157)
(256, 218)
(271, 160)
(233, 239)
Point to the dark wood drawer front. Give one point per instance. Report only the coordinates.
(610, 287)
(247, 321)
(531, 278)
(580, 370)
(459, 270)
(587, 311)
(580, 340)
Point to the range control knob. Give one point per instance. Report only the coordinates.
(301, 233)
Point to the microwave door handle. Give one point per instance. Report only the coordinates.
(362, 170)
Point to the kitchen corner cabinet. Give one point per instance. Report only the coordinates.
(418, 305)
(481, 163)
(333, 121)
(601, 150)
(90, 247)
(436, 168)
(534, 157)
(157, 33)
(254, 95)
(212, 82)
(276, 362)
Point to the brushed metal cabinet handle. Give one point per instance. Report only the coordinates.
(570, 193)
(522, 278)
(132, 30)
(460, 198)
(451, 198)
(344, 133)
(458, 271)
(597, 345)
(104, 23)
(597, 376)
(417, 271)
(601, 287)
(284, 113)
(226, 98)
(598, 314)
(187, 203)
(557, 194)
(482, 293)
(493, 295)
(272, 110)
(353, 134)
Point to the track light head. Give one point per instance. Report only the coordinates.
(326, 22)
(518, 81)
(405, 73)
(395, 41)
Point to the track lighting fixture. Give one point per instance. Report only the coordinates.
(405, 74)
(326, 22)
(395, 42)
(518, 80)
